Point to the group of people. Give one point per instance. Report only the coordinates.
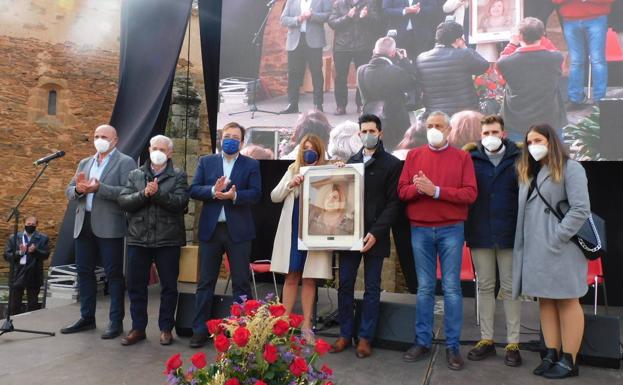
(428, 64)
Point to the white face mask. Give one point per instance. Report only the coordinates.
(101, 145)
(491, 142)
(158, 158)
(538, 151)
(434, 137)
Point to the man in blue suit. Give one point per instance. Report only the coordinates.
(228, 184)
(415, 22)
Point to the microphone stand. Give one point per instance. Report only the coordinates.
(257, 42)
(7, 325)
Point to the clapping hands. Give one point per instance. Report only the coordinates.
(423, 184)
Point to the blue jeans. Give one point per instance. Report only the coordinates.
(427, 243)
(587, 37)
(372, 267)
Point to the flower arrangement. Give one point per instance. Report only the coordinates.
(490, 85)
(257, 345)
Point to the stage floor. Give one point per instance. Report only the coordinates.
(86, 359)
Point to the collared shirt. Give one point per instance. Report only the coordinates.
(404, 12)
(97, 168)
(228, 165)
(305, 6)
(25, 239)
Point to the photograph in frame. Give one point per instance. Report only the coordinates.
(331, 208)
(494, 20)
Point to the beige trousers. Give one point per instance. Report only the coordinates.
(485, 262)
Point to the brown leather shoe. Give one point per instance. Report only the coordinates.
(133, 337)
(415, 353)
(512, 358)
(340, 111)
(454, 359)
(363, 348)
(166, 338)
(341, 344)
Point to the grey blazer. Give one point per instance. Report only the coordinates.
(107, 218)
(315, 38)
(546, 264)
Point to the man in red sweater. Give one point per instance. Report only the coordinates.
(438, 184)
(585, 24)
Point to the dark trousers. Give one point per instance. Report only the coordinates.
(372, 267)
(414, 43)
(110, 250)
(167, 261)
(301, 56)
(342, 61)
(32, 295)
(210, 257)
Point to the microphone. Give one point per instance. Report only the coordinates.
(48, 158)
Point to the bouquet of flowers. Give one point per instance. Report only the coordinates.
(257, 345)
(490, 90)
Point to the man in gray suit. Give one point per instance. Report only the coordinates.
(305, 21)
(99, 228)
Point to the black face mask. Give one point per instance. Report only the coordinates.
(30, 229)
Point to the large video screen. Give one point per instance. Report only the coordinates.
(292, 67)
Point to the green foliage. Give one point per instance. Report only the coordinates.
(583, 137)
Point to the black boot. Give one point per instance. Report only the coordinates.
(563, 368)
(551, 356)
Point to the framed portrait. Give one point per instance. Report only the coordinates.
(331, 208)
(493, 20)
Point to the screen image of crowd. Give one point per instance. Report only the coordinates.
(529, 61)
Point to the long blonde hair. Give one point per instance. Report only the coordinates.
(317, 145)
(557, 156)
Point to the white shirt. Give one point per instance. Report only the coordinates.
(228, 165)
(305, 6)
(96, 172)
(409, 25)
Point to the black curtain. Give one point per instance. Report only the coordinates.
(152, 33)
(210, 31)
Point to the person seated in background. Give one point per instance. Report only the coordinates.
(465, 128)
(445, 73)
(383, 84)
(257, 152)
(27, 258)
(344, 141)
(312, 122)
(533, 72)
(414, 137)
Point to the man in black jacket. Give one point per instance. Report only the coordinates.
(32, 249)
(155, 199)
(445, 72)
(354, 24)
(381, 207)
(383, 83)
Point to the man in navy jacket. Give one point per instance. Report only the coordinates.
(490, 233)
(228, 184)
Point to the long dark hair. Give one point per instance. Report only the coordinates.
(557, 155)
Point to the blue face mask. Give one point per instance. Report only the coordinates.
(230, 146)
(310, 156)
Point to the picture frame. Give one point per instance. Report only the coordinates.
(493, 21)
(331, 208)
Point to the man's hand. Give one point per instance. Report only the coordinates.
(423, 184)
(402, 53)
(364, 12)
(32, 248)
(514, 40)
(229, 195)
(296, 181)
(81, 182)
(22, 248)
(152, 188)
(221, 184)
(368, 241)
(351, 12)
(92, 186)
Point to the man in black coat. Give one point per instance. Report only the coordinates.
(383, 83)
(32, 249)
(155, 199)
(381, 208)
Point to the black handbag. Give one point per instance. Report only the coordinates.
(591, 236)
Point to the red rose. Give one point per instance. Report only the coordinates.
(221, 343)
(251, 306)
(214, 326)
(241, 336)
(270, 353)
(236, 310)
(296, 320)
(328, 383)
(173, 363)
(326, 370)
(322, 347)
(479, 81)
(259, 382)
(492, 86)
(199, 360)
(281, 327)
(298, 366)
(277, 310)
(232, 381)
